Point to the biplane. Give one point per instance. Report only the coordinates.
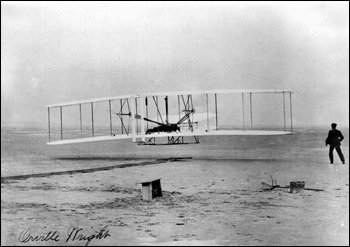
(145, 117)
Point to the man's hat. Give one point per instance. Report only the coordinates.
(334, 125)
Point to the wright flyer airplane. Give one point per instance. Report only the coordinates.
(171, 115)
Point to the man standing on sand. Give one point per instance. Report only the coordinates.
(334, 138)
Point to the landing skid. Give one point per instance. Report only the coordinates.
(172, 140)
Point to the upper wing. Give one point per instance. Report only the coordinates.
(217, 91)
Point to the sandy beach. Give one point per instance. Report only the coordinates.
(212, 195)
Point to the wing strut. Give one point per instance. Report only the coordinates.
(133, 119)
(110, 116)
(122, 125)
(158, 113)
(186, 104)
(192, 114)
(127, 101)
(243, 110)
(48, 112)
(187, 109)
(81, 122)
(142, 102)
(178, 105)
(121, 112)
(291, 117)
(137, 123)
(216, 111)
(206, 95)
(284, 113)
(166, 110)
(61, 122)
(146, 102)
(92, 119)
(251, 112)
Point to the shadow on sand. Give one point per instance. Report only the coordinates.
(149, 161)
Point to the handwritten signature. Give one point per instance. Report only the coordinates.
(73, 234)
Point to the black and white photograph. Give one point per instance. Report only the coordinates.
(174, 123)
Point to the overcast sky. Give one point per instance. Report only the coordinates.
(52, 53)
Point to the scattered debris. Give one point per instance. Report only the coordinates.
(266, 186)
(297, 186)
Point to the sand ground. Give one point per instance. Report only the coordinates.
(205, 202)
